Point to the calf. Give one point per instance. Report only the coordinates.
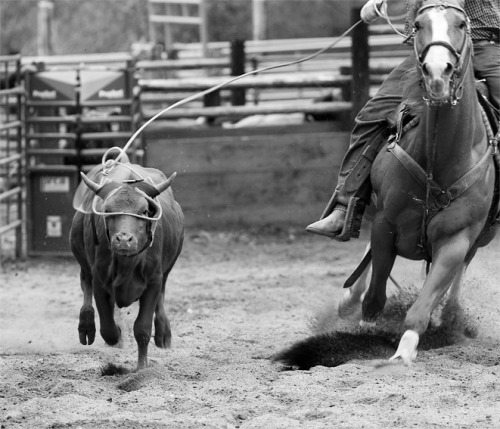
(126, 237)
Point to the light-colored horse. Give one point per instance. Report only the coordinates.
(435, 186)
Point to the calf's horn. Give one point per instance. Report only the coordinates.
(164, 185)
(100, 190)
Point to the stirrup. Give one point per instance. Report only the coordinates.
(353, 218)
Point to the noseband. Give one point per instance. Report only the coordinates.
(462, 56)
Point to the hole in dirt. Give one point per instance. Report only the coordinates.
(111, 369)
(449, 325)
(140, 378)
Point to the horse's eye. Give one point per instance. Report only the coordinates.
(416, 26)
(462, 25)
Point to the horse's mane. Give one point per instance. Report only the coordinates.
(414, 9)
(416, 5)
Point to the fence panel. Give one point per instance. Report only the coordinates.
(11, 159)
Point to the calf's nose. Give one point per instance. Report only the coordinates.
(123, 238)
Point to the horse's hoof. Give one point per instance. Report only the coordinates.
(349, 307)
(407, 348)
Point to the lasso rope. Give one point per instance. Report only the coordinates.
(382, 13)
(110, 163)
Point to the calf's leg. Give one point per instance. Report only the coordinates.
(163, 334)
(144, 322)
(110, 332)
(86, 325)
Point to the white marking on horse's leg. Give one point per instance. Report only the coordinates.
(407, 348)
(367, 325)
(353, 296)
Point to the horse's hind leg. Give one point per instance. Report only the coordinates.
(353, 296)
(383, 257)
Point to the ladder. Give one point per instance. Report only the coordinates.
(165, 14)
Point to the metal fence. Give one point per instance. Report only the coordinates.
(11, 158)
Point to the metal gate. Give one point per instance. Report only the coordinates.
(11, 158)
(73, 115)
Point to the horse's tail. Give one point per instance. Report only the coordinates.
(335, 349)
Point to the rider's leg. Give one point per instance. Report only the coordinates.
(486, 65)
(368, 123)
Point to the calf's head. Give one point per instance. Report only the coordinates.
(130, 212)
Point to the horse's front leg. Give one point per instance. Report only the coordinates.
(383, 256)
(447, 267)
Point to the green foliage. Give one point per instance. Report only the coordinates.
(18, 23)
(91, 26)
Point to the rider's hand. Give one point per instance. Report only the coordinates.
(369, 13)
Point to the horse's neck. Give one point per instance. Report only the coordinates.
(451, 138)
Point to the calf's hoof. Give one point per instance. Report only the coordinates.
(86, 326)
(163, 335)
(111, 335)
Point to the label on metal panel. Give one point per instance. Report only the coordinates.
(54, 226)
(54, 184)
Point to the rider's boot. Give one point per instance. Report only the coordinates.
(332, 225)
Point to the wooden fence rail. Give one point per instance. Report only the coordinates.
(282, 90)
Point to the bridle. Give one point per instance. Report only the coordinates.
(461, 55)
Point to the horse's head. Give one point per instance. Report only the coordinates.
(443, 48)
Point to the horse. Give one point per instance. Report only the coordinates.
(433, 186)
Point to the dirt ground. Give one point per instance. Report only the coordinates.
(235, 299)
